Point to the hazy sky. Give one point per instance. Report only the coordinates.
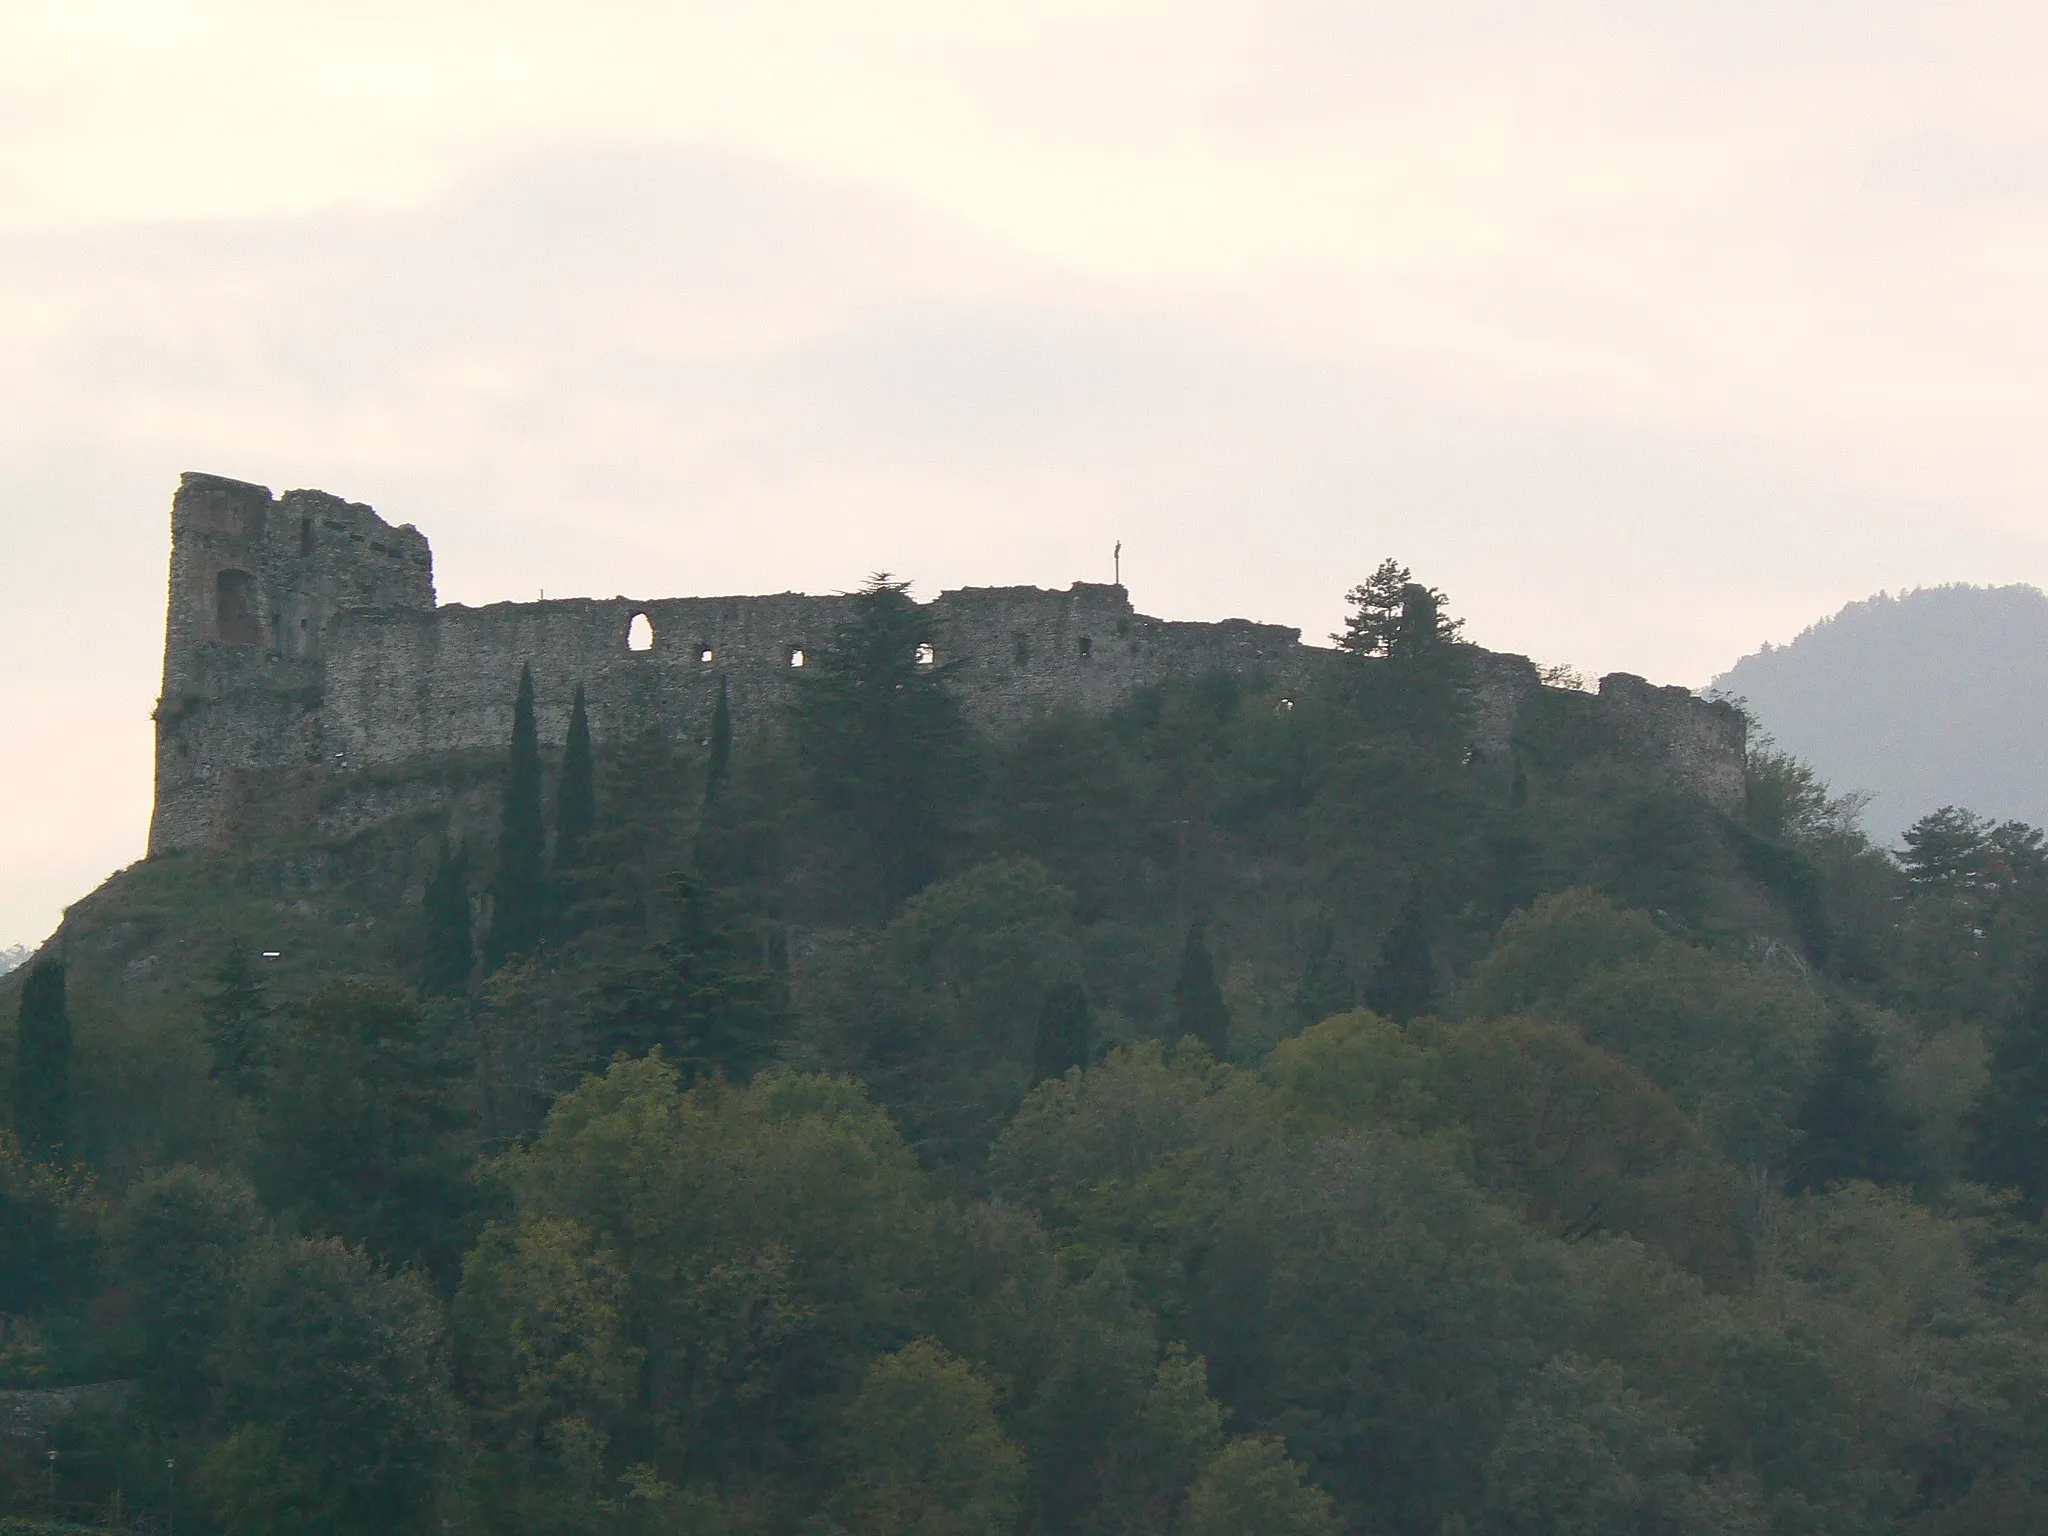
(1648, 331)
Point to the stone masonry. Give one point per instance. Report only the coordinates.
(305, 652)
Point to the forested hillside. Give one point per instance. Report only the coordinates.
(1934, 697)
(1238, 1114)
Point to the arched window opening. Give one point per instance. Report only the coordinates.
(234, 608)
(640, 633)
(796, 656)
(305, 536)
(1023, 643)
(1087, 647)
(926, 656)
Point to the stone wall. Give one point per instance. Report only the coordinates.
(304, 652)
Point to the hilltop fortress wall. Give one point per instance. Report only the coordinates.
(306, 657)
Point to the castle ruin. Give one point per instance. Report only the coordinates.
(306, 661)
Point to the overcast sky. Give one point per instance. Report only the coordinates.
(1648, 331)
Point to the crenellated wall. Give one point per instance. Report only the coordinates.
(305, 652)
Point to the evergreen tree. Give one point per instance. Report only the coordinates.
(1403, 984)
(1326, 987)
(576, 801)
(2008, 1146)
(719, 764)
(693, 988)
(1198, 1007)
(444, 917)
(1064, 1036)
(1376, 610)
(882, 736)
(1853, 1125)
(1391, 613)
(519, 892)
(237, 1018)
(42, 1062)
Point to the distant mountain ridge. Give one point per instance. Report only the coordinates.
(1938, 696)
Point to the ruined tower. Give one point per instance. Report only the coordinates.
(256, 585)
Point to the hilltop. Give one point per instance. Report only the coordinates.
(1306, 1101)
(1933, 697)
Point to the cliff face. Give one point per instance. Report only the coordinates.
(306, 662)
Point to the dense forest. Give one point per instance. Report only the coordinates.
(1235, 1114)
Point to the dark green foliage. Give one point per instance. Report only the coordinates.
(178, 1248)
(2008, 1146)
(1198, 1006)
(1391, 613)
(694, 990)
(576, 797)
(1853, 1124)
(1065, 1031)
(519, 888)
(42, 1062)
(1326, 987)
(718, 760)
(1403, 980)
(945, 1015)
(882, 737)
(449, 952)
(337, 1378)
(1661, 852)
(46, 1235)
(363, 1105)
(1947, 849)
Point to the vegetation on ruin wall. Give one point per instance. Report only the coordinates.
(1238, 1113)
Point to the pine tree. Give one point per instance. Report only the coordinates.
(1853, 1125)
(1376, 610)
(2008, 1146)
(719, 765)
(1326, 987)
(576, 802)
(444, 919)
(1064, 1036)
(1403, 984)
(519, 892)
(1198, 1006)
(42, 1062)
(237, 1018)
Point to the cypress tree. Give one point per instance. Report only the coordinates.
(1064, 1036)
(42, 1062)
(1853, 1124)
(444, 919)
(720, 762)
(237, 1018)
(519, 891)
(1198, 1006)
(2008, 1147)
(1326, 986)
(576, 804)
(1404, 982)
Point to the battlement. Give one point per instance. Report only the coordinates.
(304, 647)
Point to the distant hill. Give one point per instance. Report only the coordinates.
(1935, 697)
(13, 955)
